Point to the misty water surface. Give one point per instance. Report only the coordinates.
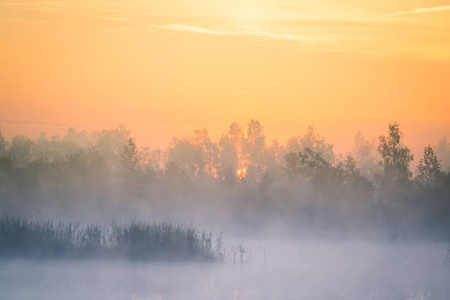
(275, 269)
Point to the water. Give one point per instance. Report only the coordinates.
(275, 269)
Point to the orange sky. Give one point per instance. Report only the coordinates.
(165, 68)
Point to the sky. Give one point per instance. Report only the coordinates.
(166, 68)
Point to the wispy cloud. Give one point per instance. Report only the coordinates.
(188, 28)
(244, 32)
(421, 10)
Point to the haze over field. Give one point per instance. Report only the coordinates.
(252, 149)
(241, 183)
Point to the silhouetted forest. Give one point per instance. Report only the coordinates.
(239, 180)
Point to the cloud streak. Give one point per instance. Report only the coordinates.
(194, 29)
(244, 32)
(421, 10)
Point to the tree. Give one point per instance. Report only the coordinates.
(314, 142)
(6, 163)
(20, 151)
(228, 160)
(129, 162)
(87, 163)
(231, 154)
(205, 154)
(254, 149)
(53, 150)
(309, 167)
(396, 158)
(181, 154)
(175, 176)
(198, 155)
(364, 152)
(443, 153)
(273, 158)
(236, 136)
(3, 144)
(351, 178)
(78, 139)
(254, 143)
(348, 169)
(110, 143)
(428, 169)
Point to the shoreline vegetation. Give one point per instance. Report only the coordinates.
(135, 241)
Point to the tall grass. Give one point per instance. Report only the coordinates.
(20, 237)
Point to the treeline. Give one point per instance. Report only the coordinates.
(240, 178)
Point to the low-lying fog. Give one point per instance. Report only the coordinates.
(297, 221)
(270, 269)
